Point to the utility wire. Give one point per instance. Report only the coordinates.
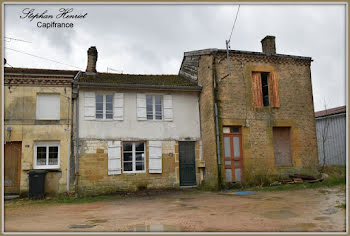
(234, 23)
(16, 39)
(41, 57)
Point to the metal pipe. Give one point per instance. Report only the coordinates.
(77, 143)
(216, 122)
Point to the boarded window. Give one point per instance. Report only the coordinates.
(282, 146)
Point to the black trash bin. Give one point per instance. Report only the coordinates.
(37, 184)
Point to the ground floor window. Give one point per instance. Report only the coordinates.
(282, 146)
(133, 157)
(46, 155)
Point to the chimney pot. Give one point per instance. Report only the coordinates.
(268, 44)
(92, 59)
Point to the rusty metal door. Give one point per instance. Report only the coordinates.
(12, 169)
(233, 154)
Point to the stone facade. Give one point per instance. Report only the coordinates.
(234, 98)
(93, 170)
(20, 105)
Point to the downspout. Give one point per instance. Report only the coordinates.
(217, 121)
(77, 142)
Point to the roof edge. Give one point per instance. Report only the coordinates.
(212, 50)
(139, 86)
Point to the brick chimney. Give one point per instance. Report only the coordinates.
(92, 59)
(268, 44)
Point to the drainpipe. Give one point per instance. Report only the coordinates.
(77, 144)
(217, 122)
(77, 139)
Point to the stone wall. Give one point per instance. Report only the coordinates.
(93, 170)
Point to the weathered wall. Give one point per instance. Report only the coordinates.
(296, 111)
(206, 106)
(185, 124)
(19, 111)
(93, 169)
(236, 108)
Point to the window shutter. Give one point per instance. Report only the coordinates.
(89, 105)
(275, 101)
(168, 108)
(48, 107)
(118, 106)
(141, 106)
(155, 156)
(114, 160)
(257, 90)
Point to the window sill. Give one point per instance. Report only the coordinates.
(48, 170)
(133, 172)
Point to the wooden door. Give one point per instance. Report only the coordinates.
(12, 161)
(233, 155)
(187, 163)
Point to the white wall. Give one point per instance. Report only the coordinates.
(185, 122)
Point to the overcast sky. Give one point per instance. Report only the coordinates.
(151, 39)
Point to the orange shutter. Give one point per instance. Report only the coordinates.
(257, 90)
(275, 101)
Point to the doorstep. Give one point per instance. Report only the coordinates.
(10, 197)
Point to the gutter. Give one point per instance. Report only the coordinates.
(216, 121)
(134, 86)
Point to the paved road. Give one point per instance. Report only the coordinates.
(299, 210)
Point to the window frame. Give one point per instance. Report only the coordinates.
(47, 145)
(154, 107)
(133, 151)
(104, 106)
(59, 106)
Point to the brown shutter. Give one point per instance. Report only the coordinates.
(257, 90)
(275, 101)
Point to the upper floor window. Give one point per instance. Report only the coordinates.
(265, 89)
(154, 107)
(48, 107)
(47, 155)
(104, 106)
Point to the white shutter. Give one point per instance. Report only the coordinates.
(118, 106)
(114, 160)
(48, 107)
(89, 105)
(141, 106)
(155, 157)
(168, 108)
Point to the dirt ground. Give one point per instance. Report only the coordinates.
(294, 211)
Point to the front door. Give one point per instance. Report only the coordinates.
(12, 168)
(187, 163)
(233, 154)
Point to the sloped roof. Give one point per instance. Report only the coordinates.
(332, 111)
(39, 71)
(137, 81)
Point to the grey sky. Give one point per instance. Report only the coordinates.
(151, 39)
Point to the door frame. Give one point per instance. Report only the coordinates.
(17, 187)
(194, 164)
(231, 135)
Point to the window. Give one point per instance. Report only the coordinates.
(104, 106)
(47, 155)
(48, 107)
(133, 157)
(154, 106)
(265, 89)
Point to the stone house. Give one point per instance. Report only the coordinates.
(256, 111)
(37, 127)
(135, 131)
